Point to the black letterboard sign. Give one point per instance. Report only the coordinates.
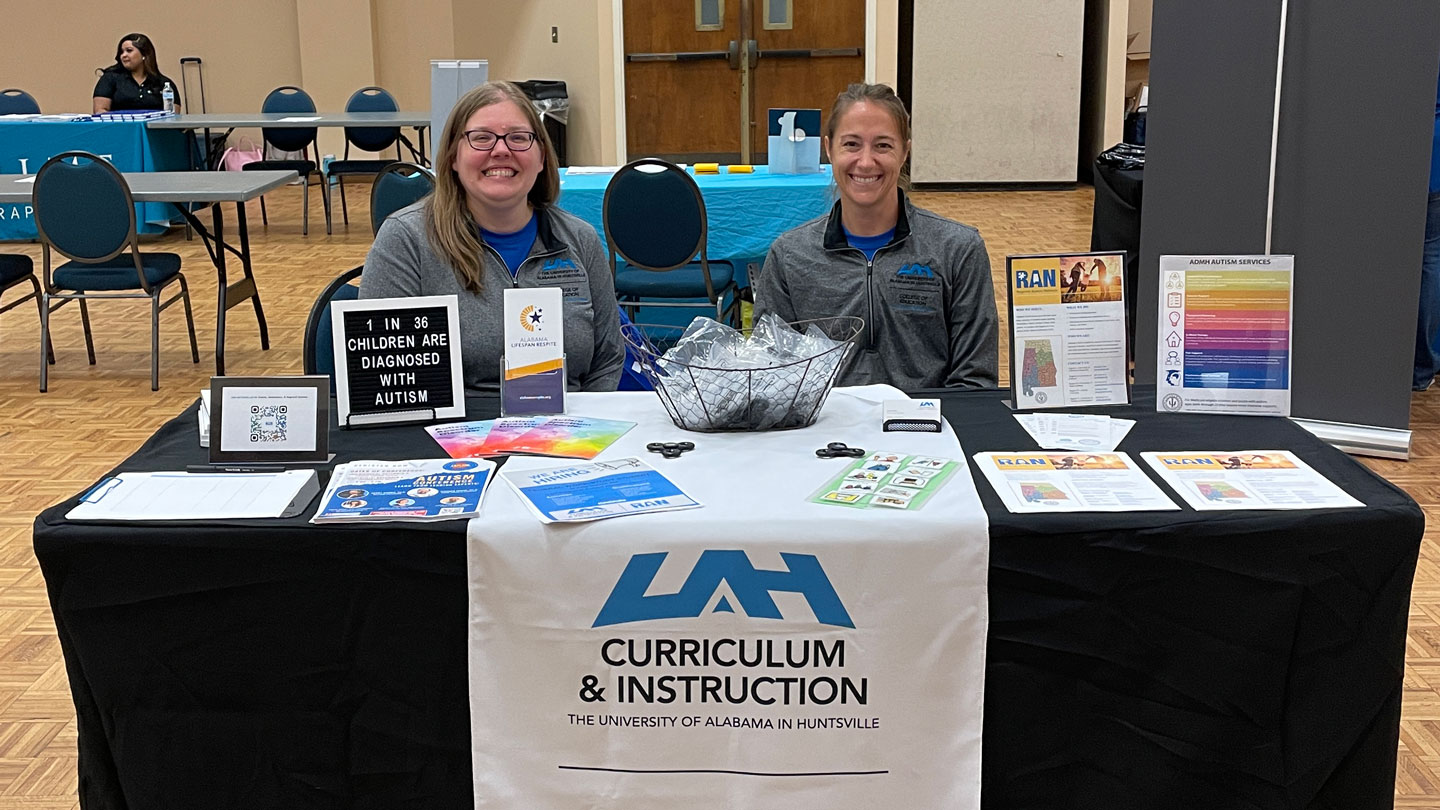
(399, 359)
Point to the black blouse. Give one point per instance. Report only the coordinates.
(125, 94)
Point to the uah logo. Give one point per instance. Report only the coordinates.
(558, 264)
(751, 587)
(918, 270)
(530, 317)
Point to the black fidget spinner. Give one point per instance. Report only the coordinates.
(839, 450)
(670, 449)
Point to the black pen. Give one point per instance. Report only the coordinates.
(235, 468)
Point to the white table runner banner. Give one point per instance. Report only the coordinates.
(759, 652)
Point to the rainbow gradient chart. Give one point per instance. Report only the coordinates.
(1224, 338)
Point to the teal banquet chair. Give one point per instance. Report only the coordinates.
(84, 211)
(366, 139)
(14, 101)
(17, 269)
(655, 221)
(398, 185)
(291, 99)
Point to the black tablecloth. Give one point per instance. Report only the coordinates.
(1141, 660)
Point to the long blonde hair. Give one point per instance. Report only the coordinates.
(448, 223)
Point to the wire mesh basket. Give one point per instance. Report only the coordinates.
(708, 399)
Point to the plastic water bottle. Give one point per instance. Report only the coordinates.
(167, 98)
(325, 168)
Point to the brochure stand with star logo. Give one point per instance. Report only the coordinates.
(532, 373)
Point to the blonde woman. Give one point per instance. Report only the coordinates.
(492, 223)
(920, 281)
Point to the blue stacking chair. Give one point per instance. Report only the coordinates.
(14, 101)
(398, 185)
(17, 269)
(84, 211)
(291, 99)
(655, 221)
(366, 139)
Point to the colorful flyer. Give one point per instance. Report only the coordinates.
(1071, 482)
(596, 490)
(461, 439)
(570, 437)
(1247, 479)
(562, 436)
(887, 481)
(505, 430)
(1067, 330)
(1224, 339)
(420, 490)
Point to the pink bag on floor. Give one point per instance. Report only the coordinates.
(244, 151)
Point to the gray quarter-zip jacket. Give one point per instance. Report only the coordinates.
(927, 299)
(567, 254)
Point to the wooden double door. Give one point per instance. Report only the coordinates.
(700, 75)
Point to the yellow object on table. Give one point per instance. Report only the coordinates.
(707, 168)
(741, 168)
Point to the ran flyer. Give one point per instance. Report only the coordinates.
(1247, 479)
(595, 490)
(1067, 329)
(425, 489)
(1071, 482)
(888, 481)
(1224, 340)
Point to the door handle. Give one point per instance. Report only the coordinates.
(734, 55)
(684, 56)
(810, 53)
(754, 53)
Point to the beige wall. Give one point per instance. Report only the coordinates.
(248, 49)
(333, 47)
(337, 57)
(517, 45)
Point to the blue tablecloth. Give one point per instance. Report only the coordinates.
(25, 145)
(746, 211)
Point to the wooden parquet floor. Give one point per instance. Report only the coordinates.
(52, 445)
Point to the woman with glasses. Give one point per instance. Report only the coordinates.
(492, 223)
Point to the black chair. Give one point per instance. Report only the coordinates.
(14, 101)
(17, 269)
(291, 99)
(655, 220)
(366, 139)
(84, 211)
(397, 185)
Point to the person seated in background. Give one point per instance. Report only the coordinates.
(492, 223)
(921, 282)
(134, 82)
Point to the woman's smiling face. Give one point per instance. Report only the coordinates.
(866, 154)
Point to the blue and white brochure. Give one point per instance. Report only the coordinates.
(596, 490)
(423, 489)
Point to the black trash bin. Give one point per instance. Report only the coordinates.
(552, 102)
(1119, 190)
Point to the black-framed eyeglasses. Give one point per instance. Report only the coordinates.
(483, 140)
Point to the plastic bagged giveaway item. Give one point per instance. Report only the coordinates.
(711, 377)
